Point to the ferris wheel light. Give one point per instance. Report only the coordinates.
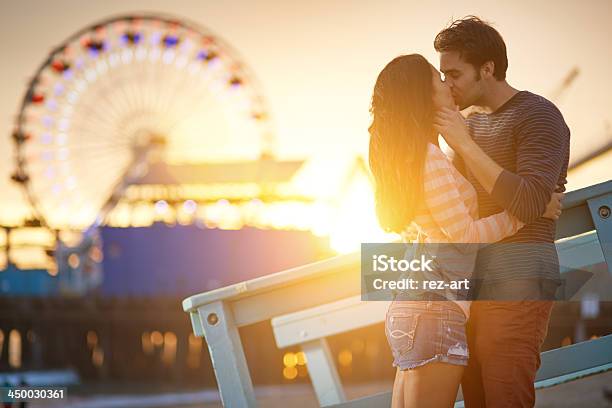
(168, 56)
(46, 138)
(161, 207)
(62, 154)
(202, 55)
(186, 46)
(155, 38)
(67, 110)
(95, 46)
(90, 75)
(63, 124)
(72, 97)
(127, 55)
(58, 89)
(102, 67)
(47, 121)
(113, 60)
(62, 138)
(130, 38)
(212, 57)
(80, 85)
(135, 21)
(52, 105)
(79, 63)
(214, 63)
(190, 206)
(171, 41)
(20, 137)
(235, 82)
(68, 74)
(37, 98)
(60, 66)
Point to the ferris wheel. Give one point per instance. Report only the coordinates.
(121, 92)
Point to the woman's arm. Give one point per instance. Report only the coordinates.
(448, 210)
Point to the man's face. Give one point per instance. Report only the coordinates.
(464, 81)
(441, 92)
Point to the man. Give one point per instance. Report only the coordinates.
(516, 157)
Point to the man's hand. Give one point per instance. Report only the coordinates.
(554, 206)
(451, 125)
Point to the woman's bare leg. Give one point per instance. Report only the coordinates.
(397, 398)
(433, 385)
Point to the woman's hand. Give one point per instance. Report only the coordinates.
(554, 206)
(451, 125)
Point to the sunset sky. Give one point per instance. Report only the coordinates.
(317, 60)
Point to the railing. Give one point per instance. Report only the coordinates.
(333, 288)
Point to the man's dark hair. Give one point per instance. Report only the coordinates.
(476, 42)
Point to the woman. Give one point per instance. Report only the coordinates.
(418, 187)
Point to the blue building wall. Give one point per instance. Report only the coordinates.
(183, 260)
(176, 261)
(33, 282)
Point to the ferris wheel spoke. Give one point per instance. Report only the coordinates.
(164, 96)
(99, 112)
(166, 101)
(183, 87)
(138, 87)
(104, 109)
(99, 149)
(197, 109)
(192, 104)
(117, 86)
(122, 98)
(105, 134)
(196, 105)
(85, 123)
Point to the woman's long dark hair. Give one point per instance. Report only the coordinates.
(402, 124)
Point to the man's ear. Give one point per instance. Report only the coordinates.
(487, 69)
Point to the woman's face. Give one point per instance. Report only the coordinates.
(441, 92)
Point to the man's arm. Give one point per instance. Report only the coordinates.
(485, 169)
(542, 143)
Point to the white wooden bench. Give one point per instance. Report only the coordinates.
(218, 314)
(309, 328)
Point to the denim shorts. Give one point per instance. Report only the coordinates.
(424, 331)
